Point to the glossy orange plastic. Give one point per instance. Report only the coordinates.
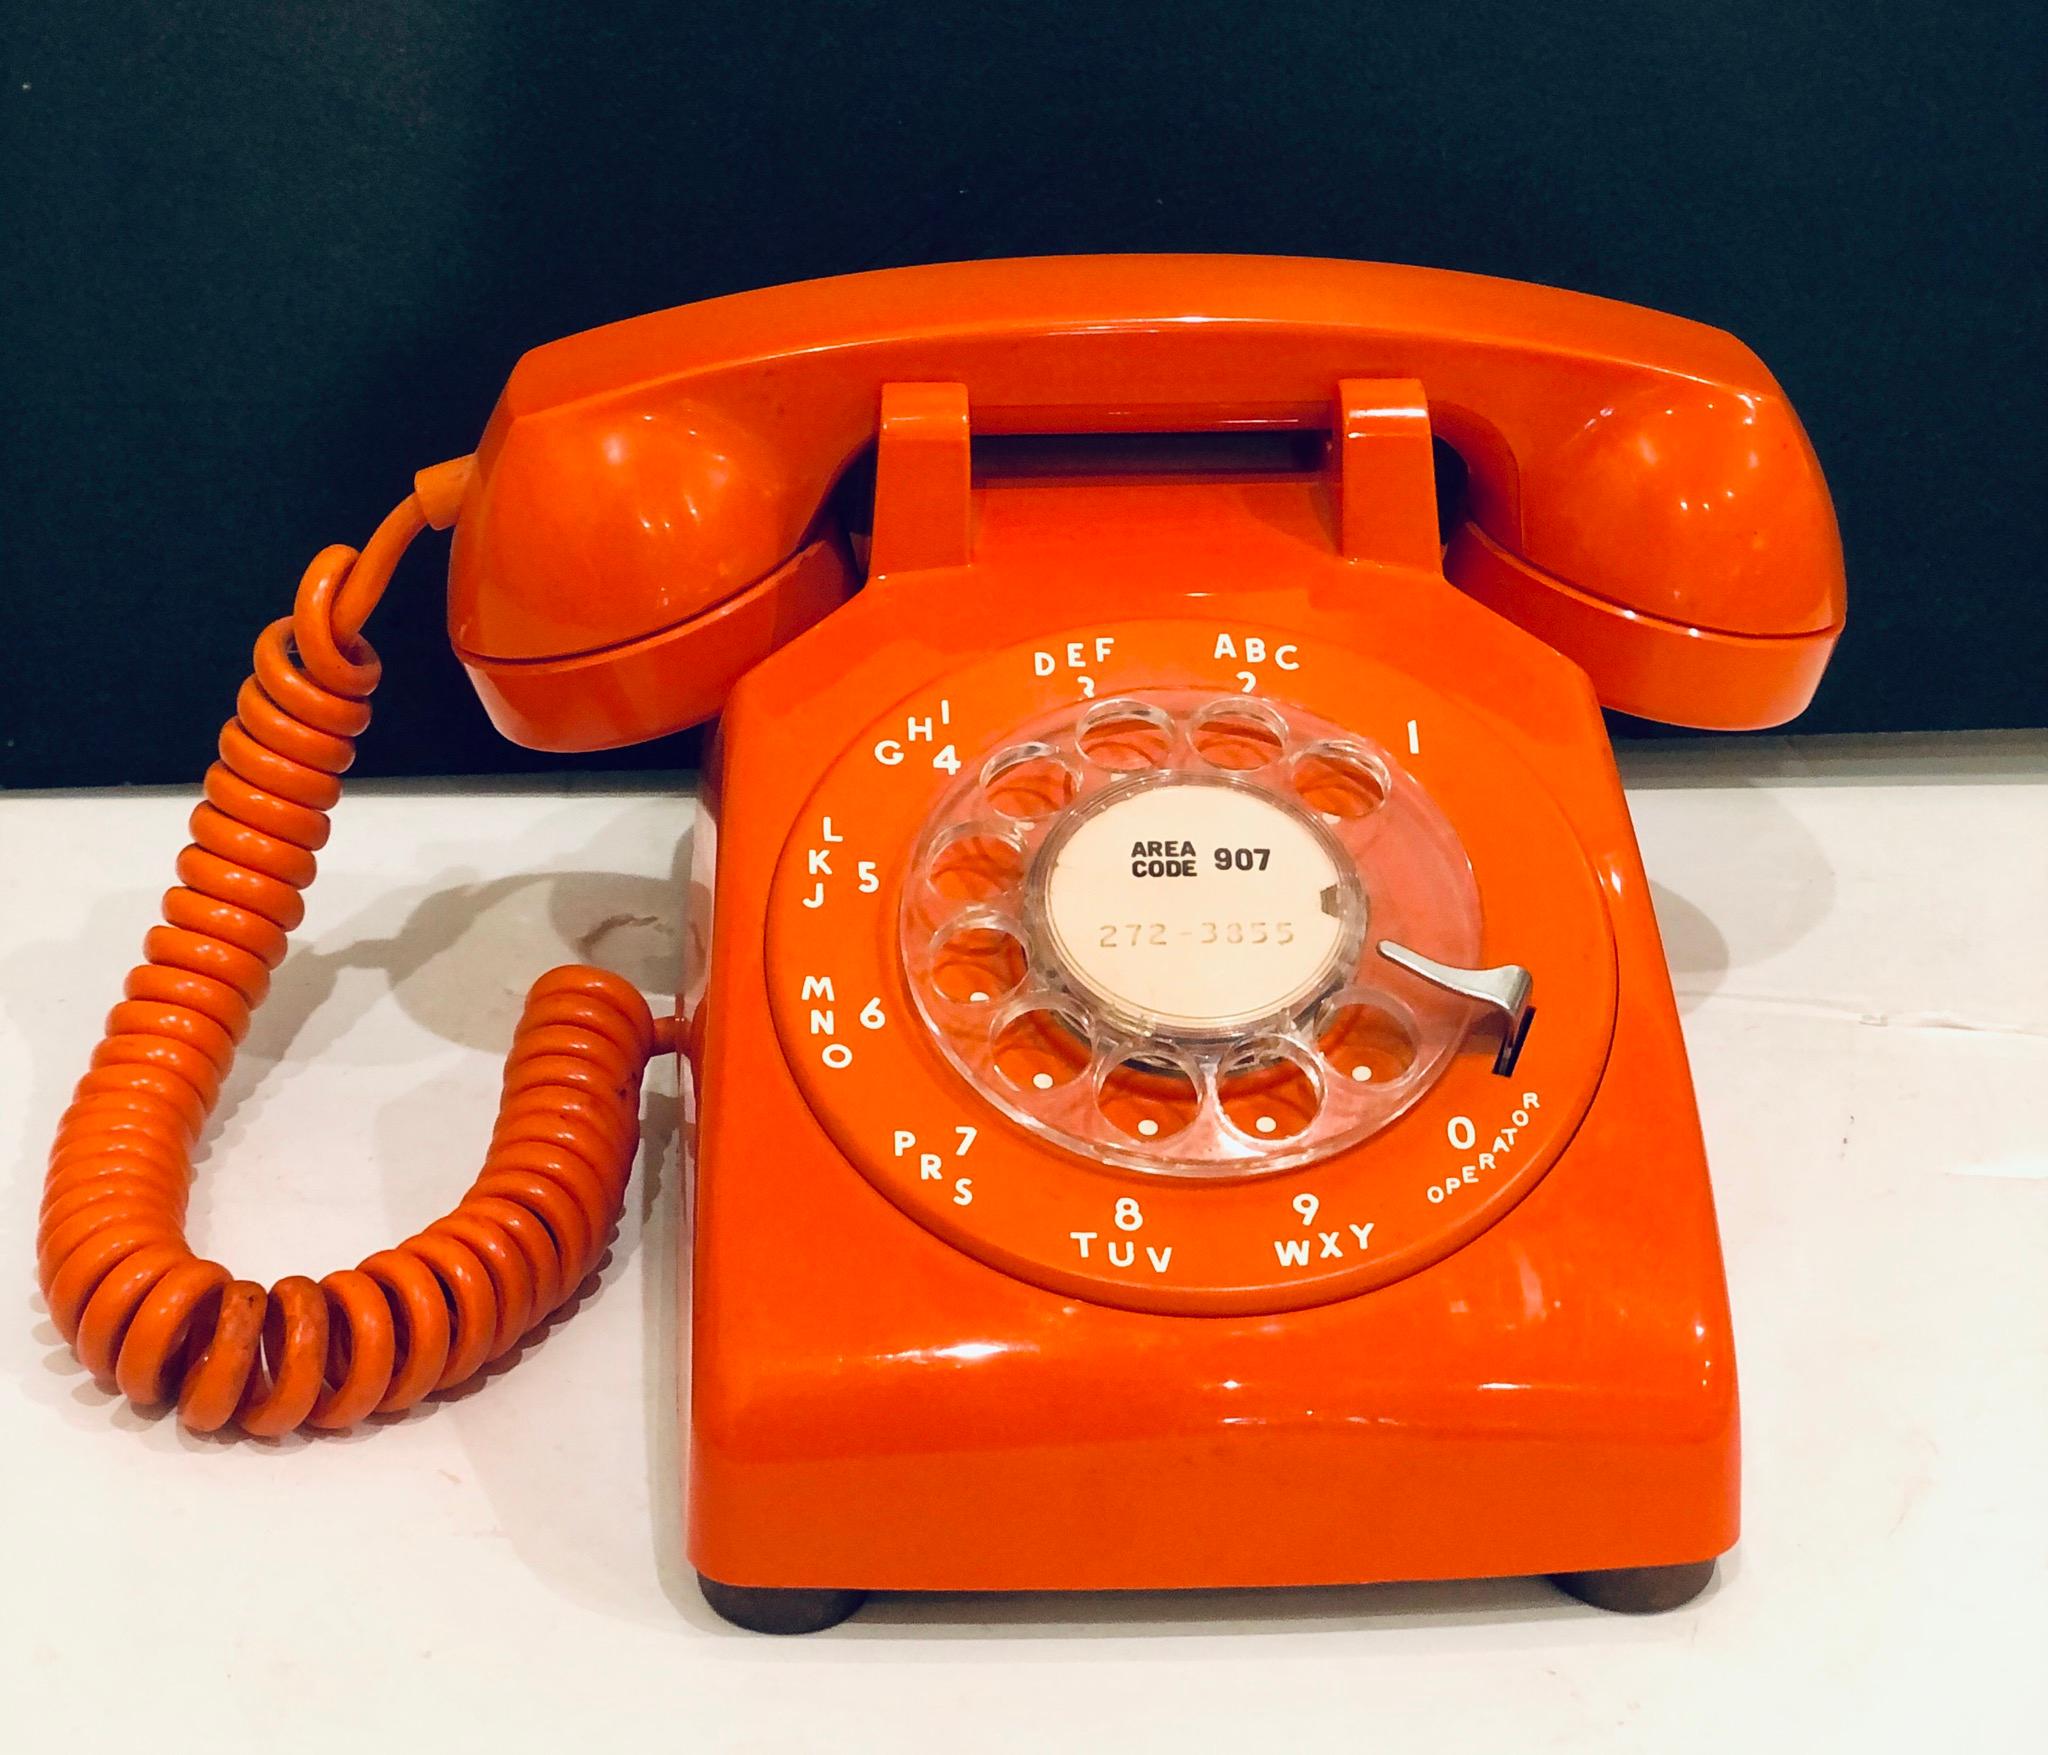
(1646, 473)
(1544, 1383)
(1031, 1198)
(1511, 1353)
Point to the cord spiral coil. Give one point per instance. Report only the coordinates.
(125, 1289)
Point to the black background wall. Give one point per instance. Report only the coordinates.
(262, 261)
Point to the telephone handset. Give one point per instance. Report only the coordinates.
(1189, 1092)
(643, 522)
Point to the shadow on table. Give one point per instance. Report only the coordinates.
(1758, 888)
(1469, 1602)
(458, 964)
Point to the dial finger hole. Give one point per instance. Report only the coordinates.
(974, 863)
(1041, 1048)
(1339, 781)
(1148, 1097)
(1268, 1090)
(1126, 737)
(1365, 1041)
(1238, 736)
(978, 965)
(1029, 782)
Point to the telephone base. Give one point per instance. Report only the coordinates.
(934, 1349)
(769, 1610)
(1638, 1590)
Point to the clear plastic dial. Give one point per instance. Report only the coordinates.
(1144, 929)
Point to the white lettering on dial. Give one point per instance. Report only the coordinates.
(1123, 1252)
(818, 862)
(1338, 1245)
(1327, 1245)
(818, 859)
(1073, 655)
(931, 1166)
(893, 752)
(1463, 1136)
(1252, 649)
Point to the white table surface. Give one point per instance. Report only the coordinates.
(1858, 934)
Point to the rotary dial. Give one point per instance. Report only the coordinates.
(1147, 929)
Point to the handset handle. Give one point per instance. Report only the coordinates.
(1636, 467)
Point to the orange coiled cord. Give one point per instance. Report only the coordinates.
(138, 1307)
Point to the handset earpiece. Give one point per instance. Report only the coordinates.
(616, 569)
(1675, 538)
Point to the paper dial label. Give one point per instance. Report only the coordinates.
(1196, 905)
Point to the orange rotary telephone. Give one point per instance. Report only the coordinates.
(1188, 1086)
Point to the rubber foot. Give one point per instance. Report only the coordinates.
(1638, 1590)
(765, 1609)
